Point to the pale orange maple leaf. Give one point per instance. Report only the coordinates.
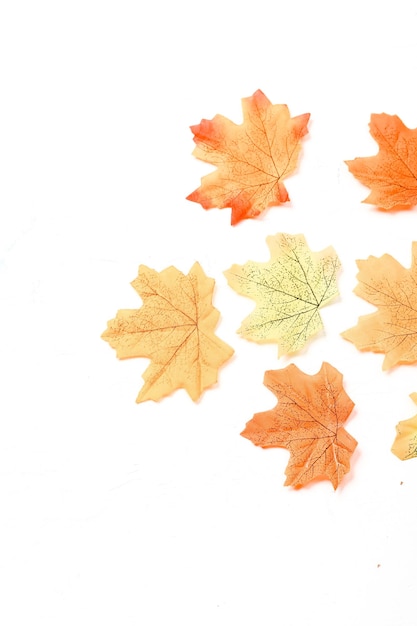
(252, 159)
(392, 173)
(405, 443)
(175, 329)
(392, 329)
(308, 421)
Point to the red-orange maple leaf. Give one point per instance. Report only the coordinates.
(308, 421)
(392, 173)
(252, 159)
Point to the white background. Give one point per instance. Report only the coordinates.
(160, 513)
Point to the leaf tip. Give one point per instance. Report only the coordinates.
(192, 197)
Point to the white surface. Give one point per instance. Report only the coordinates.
(157, 514)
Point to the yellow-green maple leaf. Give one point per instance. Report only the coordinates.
(289, 290)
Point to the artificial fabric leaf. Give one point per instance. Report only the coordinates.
(308, 421)
(252, 158)
(392, 329)
(405, 444)
(392, 173)
(175, 329)
(289, 290)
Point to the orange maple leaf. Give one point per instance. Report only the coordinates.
(392, 329)
(392, 173)
(308, 421)
(252, 159)
(175, 329)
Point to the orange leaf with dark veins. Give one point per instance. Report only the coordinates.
(252, 158)
(392, 173)
(308, 421)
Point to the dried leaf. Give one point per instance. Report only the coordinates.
(391, 330)
(252, 159)
(405, 444)
(307, 421)
(392, 173)
(175, 329)
(289, 290)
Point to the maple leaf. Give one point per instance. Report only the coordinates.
(175, 329)
(405, 444)
(289, 290)
(308, 421)
(252, 159)
(392, 329)
(392, 173)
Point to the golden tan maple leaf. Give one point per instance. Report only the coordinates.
(308, 421)
(175, 329)
(252, 158)
(392, 329)
(392, 173)
(289, 290)
(405, 444)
